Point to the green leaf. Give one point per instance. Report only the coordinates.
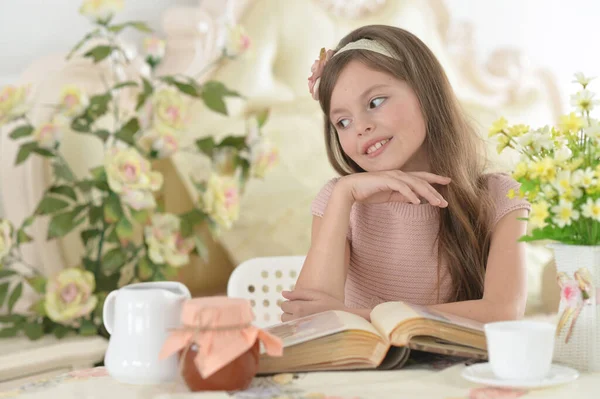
(6, 273)
(82, 42)
(38, 283)
(60, 331)
(9, 332)
(190, 89)
(24, 151)
(99, 173)
(50, 205)
(237, 142)
(99, 53)
(22, 237)
(113, 260)
(64, 190)
(262, 117)
(124, 229)
(128, 131)
(88, 328)
(89, 234)
(201, 248)
(145, 269)
(22, 131)
(98, 105)
(43, 152)
(96, 214)
(33, 330)
(213, 94)
(139, 25)
(82, 123)
(206, 145)
(111, 236)
(102, 134)
(14, 296)
(62, 171)
(129, 83)
(28, 221)
(112, 208)
(12, 318)
(189, 220)
(142, 97)
(63, 223)
(170, 272)
(3, 293)
(39, 307)
(141, 216)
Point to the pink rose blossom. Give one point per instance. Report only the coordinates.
(317, 70)
(571, 293)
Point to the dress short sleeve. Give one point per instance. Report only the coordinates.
(319, 204)
(499, 185)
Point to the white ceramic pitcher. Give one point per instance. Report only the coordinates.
(138, 318)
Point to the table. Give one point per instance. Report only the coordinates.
(434, 381)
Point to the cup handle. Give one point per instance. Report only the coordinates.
(108, 311)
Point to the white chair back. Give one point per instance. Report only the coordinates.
(261, 281)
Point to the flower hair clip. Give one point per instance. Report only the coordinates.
(317, 71)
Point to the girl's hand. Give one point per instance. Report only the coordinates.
(394, 186)
(305, 302)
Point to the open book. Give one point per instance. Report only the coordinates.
(336, 340)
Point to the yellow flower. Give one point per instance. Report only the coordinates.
(264, 156)
(570, 123)
(498, 126)
(584, 178)
(511, 194)
(101, 10)
(518, 130)
(503, 142)
(591, 209)
(539, 214)
(549, 191)
(6, 238)
(238, 41)
(564, 184)
(73, 100)
(165, 243)
(13, 102)
(69, 295)
(521, 170)
(544, 169)
(170, 108)
(221, 200)
(564, 213)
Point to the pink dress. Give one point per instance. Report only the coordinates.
(393, 249)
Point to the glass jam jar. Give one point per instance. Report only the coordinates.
(217, 345)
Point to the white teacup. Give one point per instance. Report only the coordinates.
(520, 349)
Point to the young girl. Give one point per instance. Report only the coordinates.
(414, 217)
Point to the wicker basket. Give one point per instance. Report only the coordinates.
(578, 335)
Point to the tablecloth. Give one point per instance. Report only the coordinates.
(436, 380)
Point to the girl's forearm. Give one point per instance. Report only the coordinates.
(482, 310)
(325, 266)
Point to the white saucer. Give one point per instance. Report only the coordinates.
(481, 373)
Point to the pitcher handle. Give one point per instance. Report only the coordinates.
(108, 311)
(182, 288)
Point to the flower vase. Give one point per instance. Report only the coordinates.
(578, 335)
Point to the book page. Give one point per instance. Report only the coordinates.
(387, 316)
(319, 325)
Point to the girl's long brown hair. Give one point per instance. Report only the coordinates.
(453, 146)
